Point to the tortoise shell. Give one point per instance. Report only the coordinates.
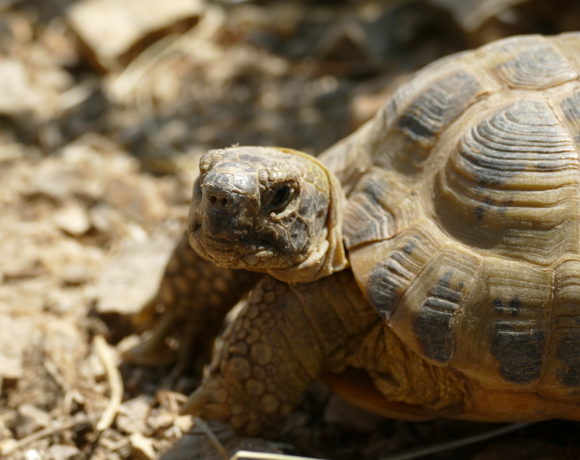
(463, 214)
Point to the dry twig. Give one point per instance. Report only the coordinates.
(448, 445)
(46, 432)
(105, 354)
(211, 436)
(248, 455)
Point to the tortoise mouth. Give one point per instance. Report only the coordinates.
(228, 248)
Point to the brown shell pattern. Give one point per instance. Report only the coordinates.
(464, 225)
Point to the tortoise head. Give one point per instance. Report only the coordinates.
(270, 210)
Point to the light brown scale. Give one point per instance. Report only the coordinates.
(531, 63)
(255, 387)
(253, 336)
(269, 404)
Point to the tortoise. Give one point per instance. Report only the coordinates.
(428, 265)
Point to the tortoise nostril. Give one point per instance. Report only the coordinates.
(219, 201)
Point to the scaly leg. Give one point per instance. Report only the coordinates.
(285, 337)
(195, 295)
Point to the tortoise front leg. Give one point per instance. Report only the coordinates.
(195, 295)
(284, 337)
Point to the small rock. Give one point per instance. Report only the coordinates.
(6, 446)
(15, 336)
(132, 417)
(58, 180)
(184, 423)
(32, 454)
(17, 95)
(63, 452)
(132, 277)
(141, 447)
(31, 419)
(75, 274)
(138, 197)
(160, 419)
(136, 23)
(64, 301)
(72, 219)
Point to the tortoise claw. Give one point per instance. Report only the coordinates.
(208, 401)
(149, 353)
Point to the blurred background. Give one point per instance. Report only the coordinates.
(104, 107)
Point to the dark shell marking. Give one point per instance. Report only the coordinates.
(391, 278)
(568, 352)
(566, 323)
(433, 324)
(518, 333)
(519, 352)
(518, 349)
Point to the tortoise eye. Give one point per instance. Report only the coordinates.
(280, 196)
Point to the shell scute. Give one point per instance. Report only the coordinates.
(534, 64)
(425, 116)
(519, 352)
(518, 297)
(378, 209)
(404, 258)
(434, 302)
(433, 322)
(514, 176)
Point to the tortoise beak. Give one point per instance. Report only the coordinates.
(225, 209)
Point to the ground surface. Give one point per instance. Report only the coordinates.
(99, 134)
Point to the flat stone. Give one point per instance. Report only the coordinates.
(141, 447)
(64, 452)
(17, 95)
(133, 414)
(72, 219)
(31, 419)
(16, 335)
(132, 276)
(136, 24)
